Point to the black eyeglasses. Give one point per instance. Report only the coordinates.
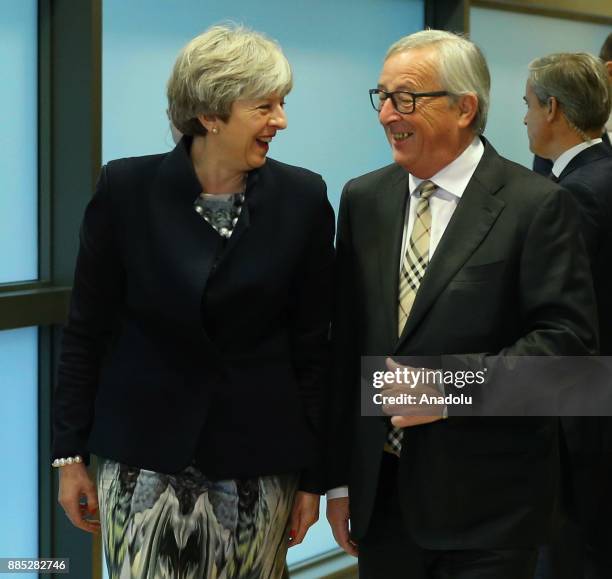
(403, 101)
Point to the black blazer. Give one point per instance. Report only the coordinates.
(182, 347)
(509, 276)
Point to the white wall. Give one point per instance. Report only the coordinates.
(510, 42)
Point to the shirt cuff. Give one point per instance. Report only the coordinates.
(337, 493)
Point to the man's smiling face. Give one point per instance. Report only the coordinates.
(426, 140)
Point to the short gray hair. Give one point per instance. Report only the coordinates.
(220, 66)
(579, 82)
(462, 68)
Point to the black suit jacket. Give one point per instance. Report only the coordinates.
(181, 347)
(509, 276)
(588, 177)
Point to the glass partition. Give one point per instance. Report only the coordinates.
(19, 444)
(18, 141)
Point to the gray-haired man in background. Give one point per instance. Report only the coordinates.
(568, 103)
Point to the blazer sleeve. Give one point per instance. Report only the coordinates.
(94, 308)
(310, 326)
(555, 285)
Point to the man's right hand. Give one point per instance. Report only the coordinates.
(338, 516)
(74, 484)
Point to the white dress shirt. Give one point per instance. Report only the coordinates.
(452, 181)
(564, 159)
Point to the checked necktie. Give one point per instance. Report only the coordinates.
(413, 269)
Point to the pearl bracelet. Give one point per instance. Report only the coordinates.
(58, 462)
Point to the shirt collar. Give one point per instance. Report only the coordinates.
(455, 177)
(564, 159)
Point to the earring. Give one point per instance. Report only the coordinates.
(215, 131)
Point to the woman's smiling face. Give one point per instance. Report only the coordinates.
(243, 140)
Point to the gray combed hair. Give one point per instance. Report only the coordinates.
(224, 64)
(462, 67)
(579, 82)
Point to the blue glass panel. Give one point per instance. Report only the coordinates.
(18, 141)
(19, 444)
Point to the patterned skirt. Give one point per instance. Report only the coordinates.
(186, 526)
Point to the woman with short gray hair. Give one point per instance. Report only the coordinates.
(196, 348)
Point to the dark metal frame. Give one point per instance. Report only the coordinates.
(452, 15)
(72, 141)
(543, 10)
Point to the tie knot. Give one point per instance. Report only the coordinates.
(426, 188)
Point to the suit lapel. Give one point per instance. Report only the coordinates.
(391, 207)
(585, 157)
(471, 222)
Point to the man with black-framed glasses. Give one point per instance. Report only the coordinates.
(451, 249)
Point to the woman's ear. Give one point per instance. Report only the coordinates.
(209, 122)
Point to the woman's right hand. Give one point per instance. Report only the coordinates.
(75, 483)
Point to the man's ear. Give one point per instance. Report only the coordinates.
(552, 106)
(468, 108)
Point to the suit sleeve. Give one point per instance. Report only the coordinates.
(310, 327)
(557, 314)
(94, 307)
(555, 285)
